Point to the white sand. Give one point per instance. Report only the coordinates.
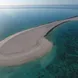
(27, 45)
(37, 51)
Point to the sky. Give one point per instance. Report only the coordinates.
(37, 2)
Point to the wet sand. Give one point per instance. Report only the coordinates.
(28, 45)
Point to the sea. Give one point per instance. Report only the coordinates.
(62, 60)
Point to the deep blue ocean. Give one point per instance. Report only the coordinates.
(62, 60)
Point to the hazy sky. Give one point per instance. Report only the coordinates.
(37, 2)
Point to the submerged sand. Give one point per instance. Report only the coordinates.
(27, 45)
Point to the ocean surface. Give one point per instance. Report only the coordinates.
(62, 60)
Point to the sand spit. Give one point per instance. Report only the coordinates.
(28, 45)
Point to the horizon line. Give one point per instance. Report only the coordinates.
(39, 5)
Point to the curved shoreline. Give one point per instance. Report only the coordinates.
(23, 46)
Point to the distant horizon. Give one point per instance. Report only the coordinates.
(38, 6)
(42, 5)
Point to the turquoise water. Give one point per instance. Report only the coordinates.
(61, 61)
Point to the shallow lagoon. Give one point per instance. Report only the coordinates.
(61, 61)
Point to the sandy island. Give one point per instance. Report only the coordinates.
(28, 45)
